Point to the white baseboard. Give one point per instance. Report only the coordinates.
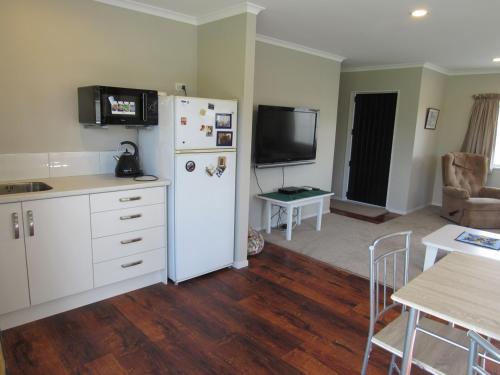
(410, 210)
(394, 211)
(418, 207)
(44, 310)
(240, 264)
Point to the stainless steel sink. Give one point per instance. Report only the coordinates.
(23, 187)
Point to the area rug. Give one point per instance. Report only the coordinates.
(358, 209)
(343, 241)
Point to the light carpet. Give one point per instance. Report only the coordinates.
(356, 208)
(343, 241)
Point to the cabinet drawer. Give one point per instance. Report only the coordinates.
(126, 199)
(129, 220)
(128, 267)
(125, 244)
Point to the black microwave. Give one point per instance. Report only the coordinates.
(104, 105)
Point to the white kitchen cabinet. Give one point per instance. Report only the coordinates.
(58, 247)
(14, 293)
(73, 250)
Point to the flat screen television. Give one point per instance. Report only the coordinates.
(285, 135)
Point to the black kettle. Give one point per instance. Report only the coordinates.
(128, 164)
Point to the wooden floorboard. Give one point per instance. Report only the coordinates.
(284, 314)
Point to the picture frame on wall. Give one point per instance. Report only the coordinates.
(431, 118)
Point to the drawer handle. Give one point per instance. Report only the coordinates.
(128, 199)
(31, 223)
(131, 264)
(15, 224)
(126, 242)
(128, 217)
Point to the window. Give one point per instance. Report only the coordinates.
(496, 155)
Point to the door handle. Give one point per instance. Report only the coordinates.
(15, 224)
(132, 264)
(128, 217)
(31, 223)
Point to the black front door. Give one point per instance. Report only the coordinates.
(373, 128)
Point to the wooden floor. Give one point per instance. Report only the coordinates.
(374, 220)
(285, 314)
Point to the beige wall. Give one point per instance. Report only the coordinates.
(407, 83)
(453, 123)
(290, 78)
(51, 47)
(226, 55)
(424, 162)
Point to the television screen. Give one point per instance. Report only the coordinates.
(285, 135)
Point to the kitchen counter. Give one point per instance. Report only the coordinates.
(77, 185)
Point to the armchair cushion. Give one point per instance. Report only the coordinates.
(456, 192)
(465, 170)
(489, 192)
(482, 204)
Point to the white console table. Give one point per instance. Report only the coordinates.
(292, 201)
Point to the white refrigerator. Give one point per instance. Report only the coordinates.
(194, 145)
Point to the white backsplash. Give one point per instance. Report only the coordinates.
(73, 163)
(55, 164)
(23, 166)
(107, 162)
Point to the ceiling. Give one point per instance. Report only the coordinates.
(457, 35)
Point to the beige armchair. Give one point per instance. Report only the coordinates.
(466, 200)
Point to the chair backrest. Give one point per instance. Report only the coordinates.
(465, 170)
(387, 266)
(478, 343)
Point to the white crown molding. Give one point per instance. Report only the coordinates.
(380, 67)
(469, 72)
(230, 11)
(152, 10)
(244, 7)
(437, 68)
(298, 47)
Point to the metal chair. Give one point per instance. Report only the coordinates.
(379, 308)
(439, 348)
(476, 343)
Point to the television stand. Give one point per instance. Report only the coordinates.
(291, 201)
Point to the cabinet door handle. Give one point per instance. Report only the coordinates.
(128, 199)
(131, 264)
(128, 217)
(15, 224)
(126, 242)
(31, 223)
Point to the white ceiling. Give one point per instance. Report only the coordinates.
(456, 35)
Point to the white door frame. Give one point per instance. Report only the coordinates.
(350, 125)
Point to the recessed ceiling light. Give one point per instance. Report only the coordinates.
(496, 59)
(419, 13)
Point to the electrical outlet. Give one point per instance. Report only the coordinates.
(178, 86)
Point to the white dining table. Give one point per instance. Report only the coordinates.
(462, 289)
(445, 239)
